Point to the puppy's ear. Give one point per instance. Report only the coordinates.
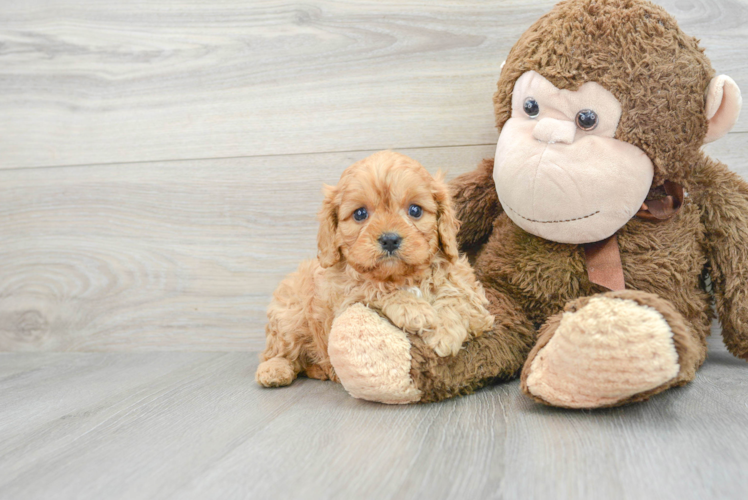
(328, 252)
(447, 224)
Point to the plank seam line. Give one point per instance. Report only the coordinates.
(138, 162)
(216, 158)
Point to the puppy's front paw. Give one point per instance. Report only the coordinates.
(413, 318)
(275, 372)
(445, 342)
(481, 322)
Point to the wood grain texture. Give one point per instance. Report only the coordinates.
(195, 425)
(92, 81)
(172, 255)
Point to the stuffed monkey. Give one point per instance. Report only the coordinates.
(601, 232)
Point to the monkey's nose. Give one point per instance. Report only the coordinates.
(551, 131)
(390, 242)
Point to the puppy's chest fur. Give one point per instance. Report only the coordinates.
(340, 286)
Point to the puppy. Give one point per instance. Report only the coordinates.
(387, 239)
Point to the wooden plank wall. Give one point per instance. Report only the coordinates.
(161, 161)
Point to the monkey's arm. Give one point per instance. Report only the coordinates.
(476, 206)
(497, 354)
(723, 198)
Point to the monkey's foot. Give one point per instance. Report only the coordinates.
(605, 351)
(371, 357)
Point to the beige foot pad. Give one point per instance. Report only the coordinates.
(604, 353)
(371, 357)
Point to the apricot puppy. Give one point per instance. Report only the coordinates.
(387, 239)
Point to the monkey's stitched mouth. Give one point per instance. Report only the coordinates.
(552, 221)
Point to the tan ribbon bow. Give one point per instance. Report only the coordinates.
(603, 258)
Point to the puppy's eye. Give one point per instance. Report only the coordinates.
(360, 214)
(415, 211)
(531, 107)
(587, 119)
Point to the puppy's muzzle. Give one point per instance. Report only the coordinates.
(390, 242)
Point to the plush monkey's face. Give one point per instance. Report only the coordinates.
(559, 172)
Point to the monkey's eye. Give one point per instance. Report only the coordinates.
(415, 211)
(360, 214)
(531, 107)
(587, 119)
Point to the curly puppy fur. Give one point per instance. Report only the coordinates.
(423, 286)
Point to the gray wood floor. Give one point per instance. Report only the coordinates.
(160, 171)
(194, 425)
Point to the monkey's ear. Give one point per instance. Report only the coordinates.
(328, 252)
(447, 224)
(723, 103)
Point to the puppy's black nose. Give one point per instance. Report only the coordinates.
(390, 242)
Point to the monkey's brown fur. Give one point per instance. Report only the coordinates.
(659, 75)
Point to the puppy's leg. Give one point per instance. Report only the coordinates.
(288, 334)
(460, 305)
(275, 372)
(449, 334)
(408, 312)
(321, 372)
